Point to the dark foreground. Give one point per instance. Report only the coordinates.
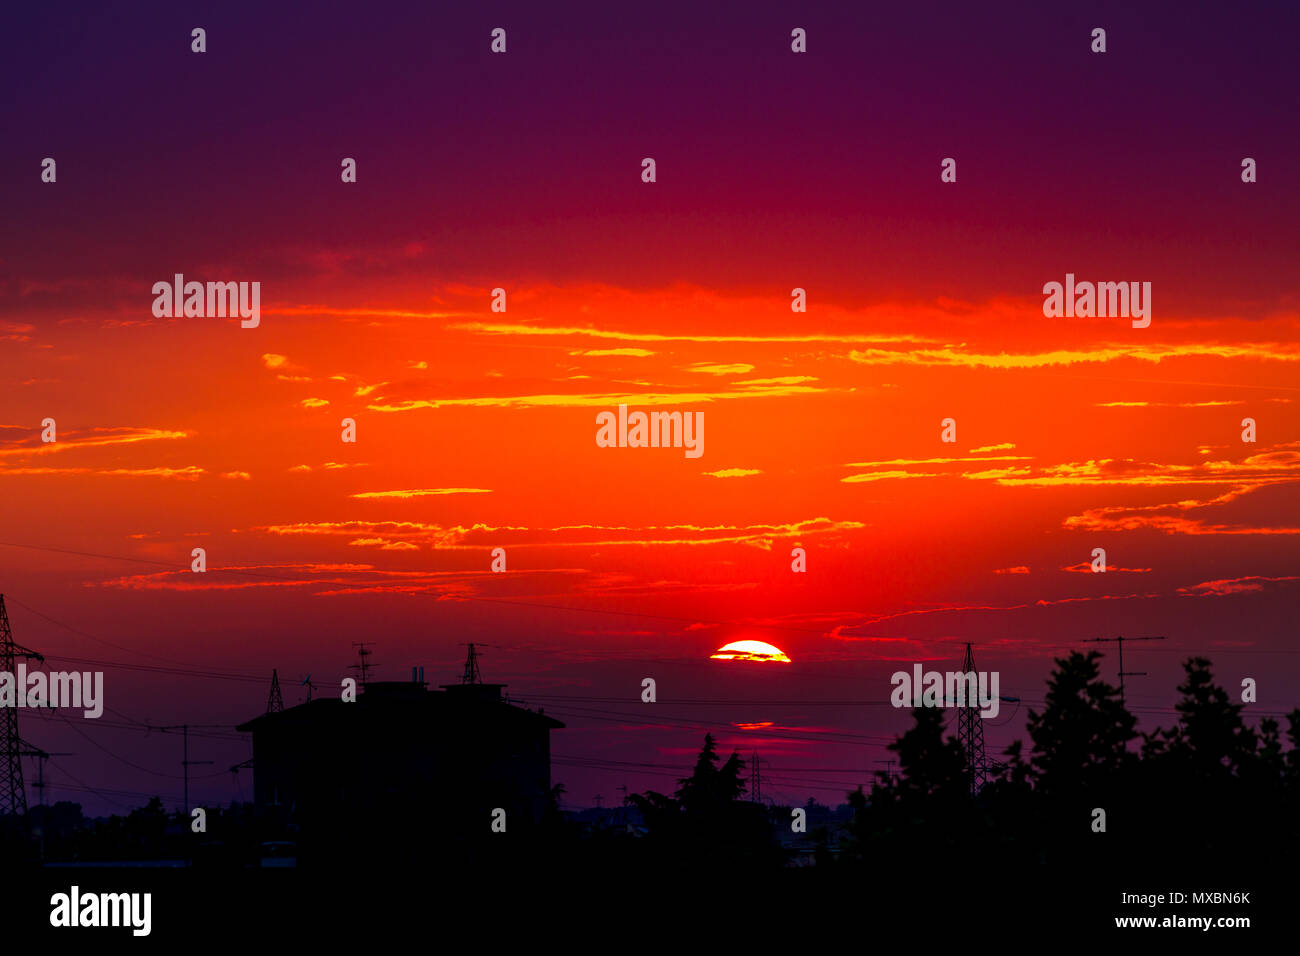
(931, 903)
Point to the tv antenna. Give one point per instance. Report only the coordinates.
(472, 675)
(363, 666)
(1119, 641)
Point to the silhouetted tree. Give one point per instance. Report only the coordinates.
(706, 820)
(1080, 739)
(710, 788)
(929, 803)
(1210, 739)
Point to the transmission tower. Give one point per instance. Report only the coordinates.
(1119, 641)
(274, 702)
(472, 675)
(755, 791)
(13, 798)
(970, 733)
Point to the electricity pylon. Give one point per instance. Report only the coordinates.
(13, 798)
(970, 733)
(274, 702)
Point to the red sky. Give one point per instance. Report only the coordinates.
(822, 429)
(476, 430)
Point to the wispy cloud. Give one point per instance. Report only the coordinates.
(422, 492)
(1263, 351)
(500, 328)
(629, 352)
(715, 368)
(1242, 585)
(188, 473)
(72, 439)
(605, 400)
(480, 536)
(1084, 567)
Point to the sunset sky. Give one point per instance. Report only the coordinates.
(476, 429)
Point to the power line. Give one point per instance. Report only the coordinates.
(81, 633)
(119, 757)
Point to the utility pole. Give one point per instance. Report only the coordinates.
(186, 762)
(234, 773)
(274, 702)
(970, 733)
(1119, 642)
(42, 756)
(13, 798)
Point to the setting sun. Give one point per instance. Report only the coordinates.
(749, 651)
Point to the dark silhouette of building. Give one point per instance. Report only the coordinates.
(401, 770)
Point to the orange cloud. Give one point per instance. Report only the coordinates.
(1226, 586)
(709, 368)
(1264, 351)
(1083, 567)
(188, 473)
(497, 328)
(87, 438)
(1168, 404)
(383, 544)
(422, 492)
(631, 353)
(606, 400)
(482, 535)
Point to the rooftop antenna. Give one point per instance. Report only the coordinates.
(472, 675)
(363, 666)
(1120, 642)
